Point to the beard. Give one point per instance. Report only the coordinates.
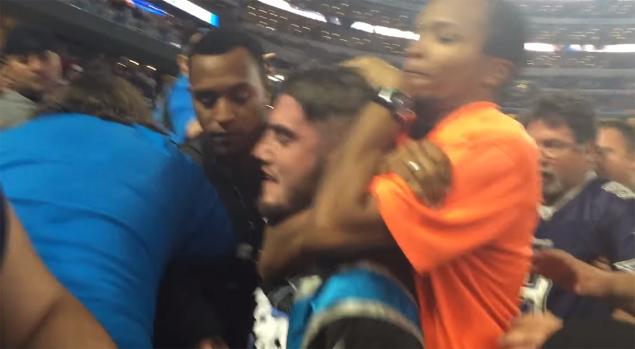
(552, 188)
(297, 199)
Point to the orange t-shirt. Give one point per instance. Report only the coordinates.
(471, 255)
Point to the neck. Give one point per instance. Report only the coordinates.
(574, 184)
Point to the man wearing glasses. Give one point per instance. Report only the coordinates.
(587, 216)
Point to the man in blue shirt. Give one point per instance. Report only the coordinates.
(107, 202)
(589, 217)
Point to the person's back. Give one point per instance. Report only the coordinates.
(106, 204)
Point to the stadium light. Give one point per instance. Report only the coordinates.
(285, 6)
(196, 11)
(540, 47)
(409, 35)
(620, 48)
(386, 31)
(544, 47)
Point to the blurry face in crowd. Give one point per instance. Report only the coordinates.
(447, 64)
(230, 100)
(564, 162)
(29, 74)
(293, 151)
(617, 161)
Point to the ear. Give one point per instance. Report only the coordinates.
(497, 72)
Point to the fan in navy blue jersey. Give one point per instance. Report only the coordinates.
(587, 216)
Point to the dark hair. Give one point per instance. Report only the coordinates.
(221, 41)
(627, 131)
(507, 32)
(328, 92)
(568, 109)
(27, 39)
(192, 38)
(99, 92)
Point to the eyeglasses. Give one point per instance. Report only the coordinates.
(555, 148)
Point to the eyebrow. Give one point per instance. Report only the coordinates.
(280, 129)
(436, 24)
(222, 89)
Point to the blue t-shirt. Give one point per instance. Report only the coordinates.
(106, 205)
(598, 222)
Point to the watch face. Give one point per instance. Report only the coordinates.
(407, 115)
(402, 101)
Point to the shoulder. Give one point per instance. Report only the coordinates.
(605, 192)
(612, 199)
(512, 144)
(617, 191)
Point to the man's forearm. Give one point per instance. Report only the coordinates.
(343, 196)
(622, 291)
(67, 324)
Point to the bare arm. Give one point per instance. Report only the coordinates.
(343, 207)
(35, 310)
(622, 291)
(343, 203)
(574, 275)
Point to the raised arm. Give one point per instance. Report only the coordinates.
(342, 202)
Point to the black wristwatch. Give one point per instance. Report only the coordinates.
(401, 106)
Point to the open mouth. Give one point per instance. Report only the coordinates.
(547, 175)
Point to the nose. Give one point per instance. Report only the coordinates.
(218, 117)
(545, 158)
(263, 151)
(417, 49)
(36, 64)
(224, 112)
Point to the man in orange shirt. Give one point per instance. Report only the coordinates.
(471, 251)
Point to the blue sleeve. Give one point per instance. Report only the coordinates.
(181, 110)
(4, 226)
(621, 227)
(210, 231)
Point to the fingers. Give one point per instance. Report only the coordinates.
(530, 331)
(552, 263)
(518, 340)
(425, 168)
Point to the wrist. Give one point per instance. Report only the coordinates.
(606, 287)
(400, 105)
